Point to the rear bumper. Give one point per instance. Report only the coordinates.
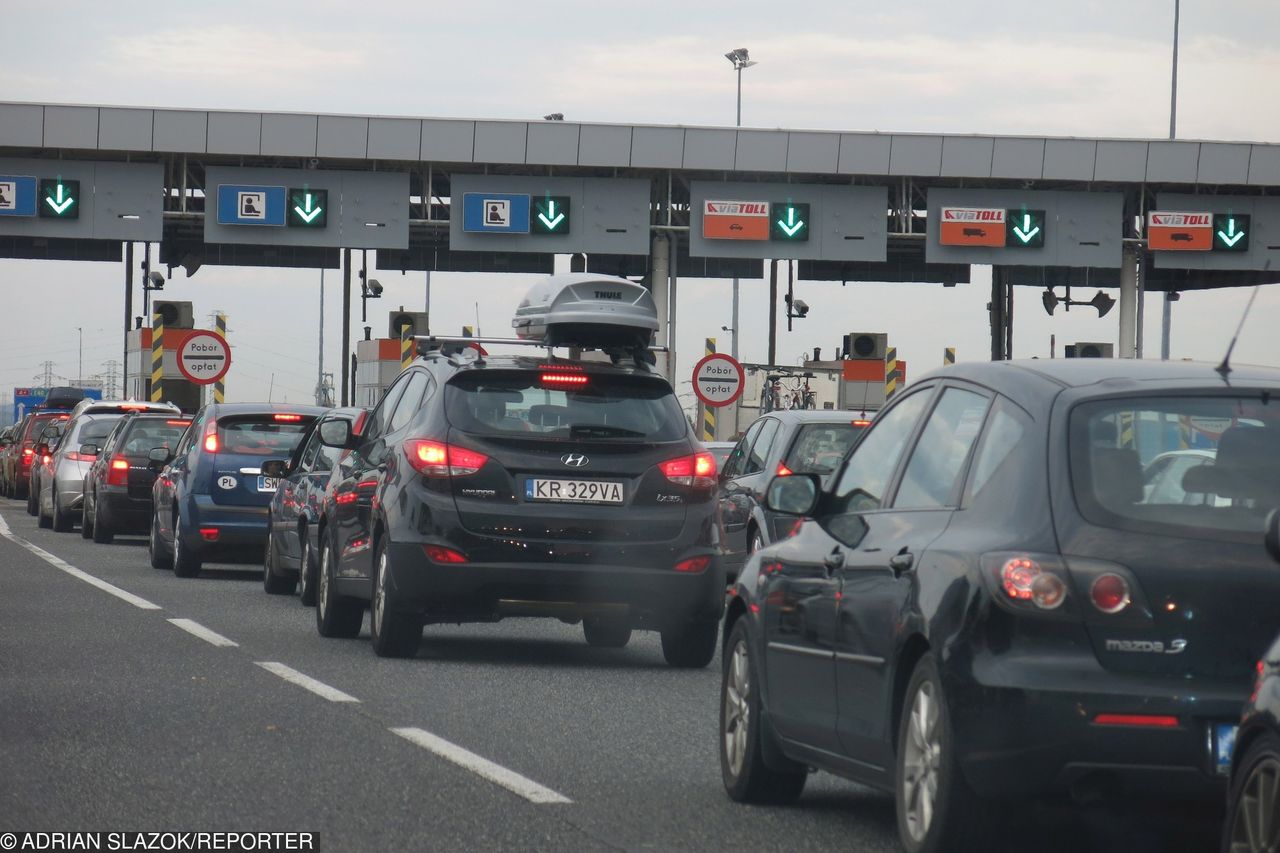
(239, 528)
(652, 597)
(1025, 724)
(127, 514)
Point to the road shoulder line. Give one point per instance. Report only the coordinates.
(306, 682)
(195, 629)
(515, 783)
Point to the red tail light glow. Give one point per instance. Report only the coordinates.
(344, 498)
(178, 423)
(211, 442)
(693, 565)
(1154, 721)
(209, 534)
(437, 459)
(1023, 579)
(27, 451)
(697, 471)
(1110, 593)
(118, 472)
(860, 422)
(783, 470)
(441, 554)
(288, 418)
(563, 380)
(77, 456)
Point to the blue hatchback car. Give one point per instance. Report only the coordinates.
(211, 497)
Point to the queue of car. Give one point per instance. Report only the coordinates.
(1019, 579)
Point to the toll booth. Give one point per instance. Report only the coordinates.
(377, 366)
(176, 388)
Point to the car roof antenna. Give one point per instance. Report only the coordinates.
(1224, 369)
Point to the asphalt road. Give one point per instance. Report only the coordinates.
(240, 717)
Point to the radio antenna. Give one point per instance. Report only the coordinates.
(1224, 369)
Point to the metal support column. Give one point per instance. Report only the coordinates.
(346, 327)
(1129, 306)
(128, 314)
(658, 270)
(671, 304)
(996, 307)
(773, 314)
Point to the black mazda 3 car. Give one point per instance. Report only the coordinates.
(993, 601)
(514, 486)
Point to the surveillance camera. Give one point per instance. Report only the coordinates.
(156, 280)
(801, 307)
(375, 288)
(313, 162)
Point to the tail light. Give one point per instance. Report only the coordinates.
(697, 471)
(861, 422)
(783, 470)
(1109, 593)
(118, 472)
(287, 418)
(27, 451)
(178, 423)
(441, 554)
(344, 498)
(1028, 583)
(77, 456)
(563, 379)
(438, 459)
(209, 534)
(693, 565)
(1152, 721)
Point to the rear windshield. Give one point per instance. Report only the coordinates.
(819, 448)
(1199, 465)
(37, 425)
(92, 432)
(261, 435)
(609, 408)
(146, 435)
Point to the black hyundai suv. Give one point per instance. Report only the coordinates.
(514, 486)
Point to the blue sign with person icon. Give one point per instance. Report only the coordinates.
(17, 195)
(250, 205)
(495, 213)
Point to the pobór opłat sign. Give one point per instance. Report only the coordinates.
(735, 220)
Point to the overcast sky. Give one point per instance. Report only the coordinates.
(1063, 67)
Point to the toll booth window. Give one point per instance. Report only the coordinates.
(261, 436)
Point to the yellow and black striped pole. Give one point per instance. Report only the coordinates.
(220, 387)
(708, 413)
(157, 357)
(890, 371)
(948, 356)
(406, 346)
(1127, 437)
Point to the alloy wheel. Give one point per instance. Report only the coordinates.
(322, 597)
(922, 758)
(737, 713)
(380, 594)
(1257, 824)
(304, 568)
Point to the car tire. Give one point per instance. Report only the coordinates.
(603, 632)
(336, 616)
(747, 779)
(160, 559)
(936, 808)
(1255, 799)
(60, 520)
(306, 572)
(33, 502)
(45, 521)
(395, 634)
(757, 542)
(272, 582)
(100, 526)
(86, 524)
(186, 561)
(690, 645)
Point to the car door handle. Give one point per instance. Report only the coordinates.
(834, 560)
(902, 561)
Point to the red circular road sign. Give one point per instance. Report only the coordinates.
(204, 357)
(718, 380)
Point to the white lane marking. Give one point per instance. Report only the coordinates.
(306, 682)
(483, 767)
(195, 629)
(59, 563)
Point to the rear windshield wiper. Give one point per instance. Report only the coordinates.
(602, 431)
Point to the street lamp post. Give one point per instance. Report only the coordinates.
(1166, 315)
(80, 362)
(740, 59)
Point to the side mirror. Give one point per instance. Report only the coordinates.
(158, 458)
(336, 433)
(793, 494)
(275, 468)
(88, 450)
(1272, 538)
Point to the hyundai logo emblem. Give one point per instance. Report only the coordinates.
(574, 460)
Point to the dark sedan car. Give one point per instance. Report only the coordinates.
(988, 605)
(117, 488)
(523, 487)
(1253, 806)
(289, 562)
(211, 498)
(793, 441)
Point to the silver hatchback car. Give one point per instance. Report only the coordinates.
(61, 486)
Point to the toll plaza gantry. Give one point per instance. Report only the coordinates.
(654, 202)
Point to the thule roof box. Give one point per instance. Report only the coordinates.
(588, 311)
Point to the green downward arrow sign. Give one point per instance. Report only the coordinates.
(1232, 236)
(551, 219)
(1026, 232)
(791, 226)
(308, 211)
(61, 204)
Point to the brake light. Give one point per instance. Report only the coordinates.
(118, 472)
(437, 459)
(697, 471)
(209, 534)
(563, 380)
(441, 554)
(133, 407)
(694, 565)
(45, 459)
(289, 418)
(860, 422)
(344, 498)
(1023, 579)
(77, 456)
(211, 442)
(1109, 593)
(178, 423)
(1155, 721)
(27, 451)
(783, 470)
